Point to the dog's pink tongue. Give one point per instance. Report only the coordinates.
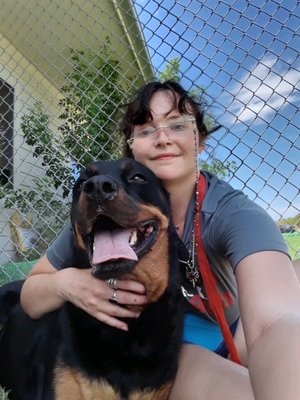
(112, 245)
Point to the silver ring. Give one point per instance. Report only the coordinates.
(113, 298)
(112, 283)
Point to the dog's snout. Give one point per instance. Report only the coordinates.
(102, 187)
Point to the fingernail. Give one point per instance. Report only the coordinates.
(125, 328)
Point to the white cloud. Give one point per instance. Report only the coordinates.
(263, 93)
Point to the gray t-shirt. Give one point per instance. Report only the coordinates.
(233, 228)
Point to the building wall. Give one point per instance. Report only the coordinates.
(29, 86)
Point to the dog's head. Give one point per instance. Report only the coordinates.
(120, 216)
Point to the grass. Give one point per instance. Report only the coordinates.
(3, 394)
(14, 271)
(293, 242)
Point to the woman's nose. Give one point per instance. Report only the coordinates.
(161, 136)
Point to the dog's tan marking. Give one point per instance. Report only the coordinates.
(78, 236)
(159, 394)
(123, 210)
(152, 270)
(72, 385)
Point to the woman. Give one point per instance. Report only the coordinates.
(164, 130)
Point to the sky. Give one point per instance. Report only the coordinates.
(245, 55)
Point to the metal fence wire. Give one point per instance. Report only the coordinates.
(67, 67)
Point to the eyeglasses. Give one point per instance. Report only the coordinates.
(175, 131)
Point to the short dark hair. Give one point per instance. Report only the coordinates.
(138, 110)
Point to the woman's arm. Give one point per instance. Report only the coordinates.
(269, 294)
(46, 289)
(40, 292)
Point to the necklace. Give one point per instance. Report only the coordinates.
(180, 221)
(191, 267)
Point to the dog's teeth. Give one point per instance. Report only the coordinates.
(133, 237)
(149, 230)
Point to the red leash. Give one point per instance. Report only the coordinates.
(209, 280)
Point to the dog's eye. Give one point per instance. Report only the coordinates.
(138, 178)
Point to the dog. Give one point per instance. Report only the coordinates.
(69, 355)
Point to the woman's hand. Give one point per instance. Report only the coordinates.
(46, 289)
(93, 295)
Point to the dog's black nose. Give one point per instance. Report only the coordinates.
(100, 187)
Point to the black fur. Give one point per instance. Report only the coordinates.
(145, 357)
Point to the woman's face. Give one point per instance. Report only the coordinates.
(169, 152)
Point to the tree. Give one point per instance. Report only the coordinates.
(295, 221)
(47, 147)
(172, 71)
(92, 96)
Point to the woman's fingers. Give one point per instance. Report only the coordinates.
(104, 300)
(108, 312)
(109, 320)
(127, 298)
(130, 286)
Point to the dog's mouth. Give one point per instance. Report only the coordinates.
(116, 251)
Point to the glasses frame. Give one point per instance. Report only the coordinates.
(130, 141)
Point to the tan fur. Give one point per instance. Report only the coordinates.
(72, 385)
(159, 394)
(85, 220)
(152, 269)
(79, 238)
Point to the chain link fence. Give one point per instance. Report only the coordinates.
(67, 67)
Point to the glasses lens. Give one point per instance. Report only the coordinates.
(175, 130)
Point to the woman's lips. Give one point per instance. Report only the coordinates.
(165, 156)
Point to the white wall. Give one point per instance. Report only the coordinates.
(29, 86)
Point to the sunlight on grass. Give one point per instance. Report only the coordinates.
(293, 241)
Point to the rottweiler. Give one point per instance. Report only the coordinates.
(69, 355)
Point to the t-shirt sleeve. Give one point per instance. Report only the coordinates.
(241, 228)
(63, 252)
